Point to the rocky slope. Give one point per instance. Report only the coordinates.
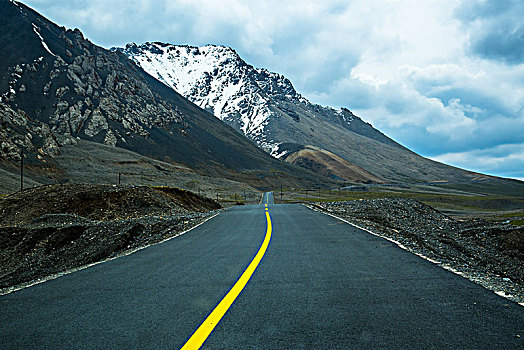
(17, 130)
(217, 79)
(56, 86)
(267, 109)
(49, 229)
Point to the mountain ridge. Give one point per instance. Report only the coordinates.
(56, 87)
(53, 76)
(203, 64)
(265, 107)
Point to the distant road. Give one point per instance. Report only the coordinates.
(321, 284)
(267, 198)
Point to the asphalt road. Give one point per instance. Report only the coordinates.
(321, 284)
(267, 198)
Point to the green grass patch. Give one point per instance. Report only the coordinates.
(513, 215)
(506, 187)
(480, 203)
(441, 205)
(464, 200)
(518, 222)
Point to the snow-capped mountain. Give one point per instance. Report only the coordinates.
(265, 107)
(57, 87)
(218, 80)
(252, 100)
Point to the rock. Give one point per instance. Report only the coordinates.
(73, 76)
(59, 62)
(66, 140)
(109, 106)
(50, 147)
(47, 87)
(110, 138)
(76, 117)
(62, 106)
(61, 91)
(54, 73)
(96, 124)
(32, 135)
(18, 70)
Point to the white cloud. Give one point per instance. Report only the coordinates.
(506, 160)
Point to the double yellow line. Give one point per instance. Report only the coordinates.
(199, 337)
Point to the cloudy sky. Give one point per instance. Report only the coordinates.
(444, 78)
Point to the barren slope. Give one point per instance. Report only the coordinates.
(266, 108)
(57, 86)
(330, 165)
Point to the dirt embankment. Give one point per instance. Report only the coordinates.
(49, 229)
(487, 253)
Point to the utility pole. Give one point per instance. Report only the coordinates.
(280, 193)
(245, 199)
(21, 169)
(119, 175)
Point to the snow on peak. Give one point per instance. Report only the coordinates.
(180, 66)
(216, 79)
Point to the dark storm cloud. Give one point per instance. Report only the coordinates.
(501, 42)
(495, 28)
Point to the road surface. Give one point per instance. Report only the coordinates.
(267, 198)
(320, 284)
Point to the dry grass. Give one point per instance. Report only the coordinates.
(459, 205)
(519, 222)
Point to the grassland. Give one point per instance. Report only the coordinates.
(460, 202)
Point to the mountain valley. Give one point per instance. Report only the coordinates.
(248, 125)
(265, 107)
(57, 87)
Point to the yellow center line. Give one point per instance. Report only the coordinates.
(199, 337)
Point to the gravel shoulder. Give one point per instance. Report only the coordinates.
(489, 254)
(47, 230)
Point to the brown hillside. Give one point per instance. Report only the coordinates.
(327, 163)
